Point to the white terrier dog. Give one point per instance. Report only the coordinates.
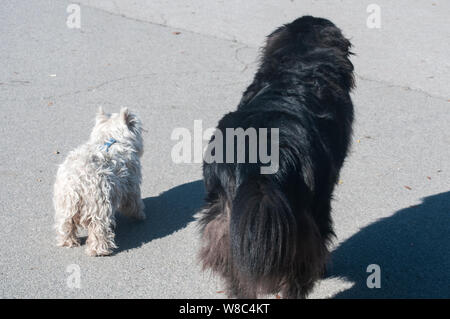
(98, 178)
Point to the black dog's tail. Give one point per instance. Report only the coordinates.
(263, 229)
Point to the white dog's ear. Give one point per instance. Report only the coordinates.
(125, 115)
(129, 119)
(101, 116)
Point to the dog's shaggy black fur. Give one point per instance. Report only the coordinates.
(269, 233)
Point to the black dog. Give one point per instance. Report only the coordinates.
(265, 233)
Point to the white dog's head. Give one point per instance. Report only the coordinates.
(125, 128)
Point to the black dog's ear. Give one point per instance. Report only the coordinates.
(332, 37)
(276, 41)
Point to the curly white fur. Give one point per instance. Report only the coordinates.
(95, 181)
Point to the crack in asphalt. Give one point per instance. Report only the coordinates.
(247, 46)
(107, 82)
(95, 87)
(164, 24)
(236, 57)
(404, 87)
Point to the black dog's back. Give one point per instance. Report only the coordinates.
(269, 232)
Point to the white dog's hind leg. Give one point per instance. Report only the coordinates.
(132, 205)
(67, 233)
(100, 241)
(66, 221)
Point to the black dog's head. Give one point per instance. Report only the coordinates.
(305, 34)
(314, 44)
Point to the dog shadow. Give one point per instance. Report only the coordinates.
(412, 248)
(166, 213)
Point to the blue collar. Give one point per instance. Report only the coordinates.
(108, 143)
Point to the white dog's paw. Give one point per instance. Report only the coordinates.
(68, 242)
(99, 247)
(97, 252)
